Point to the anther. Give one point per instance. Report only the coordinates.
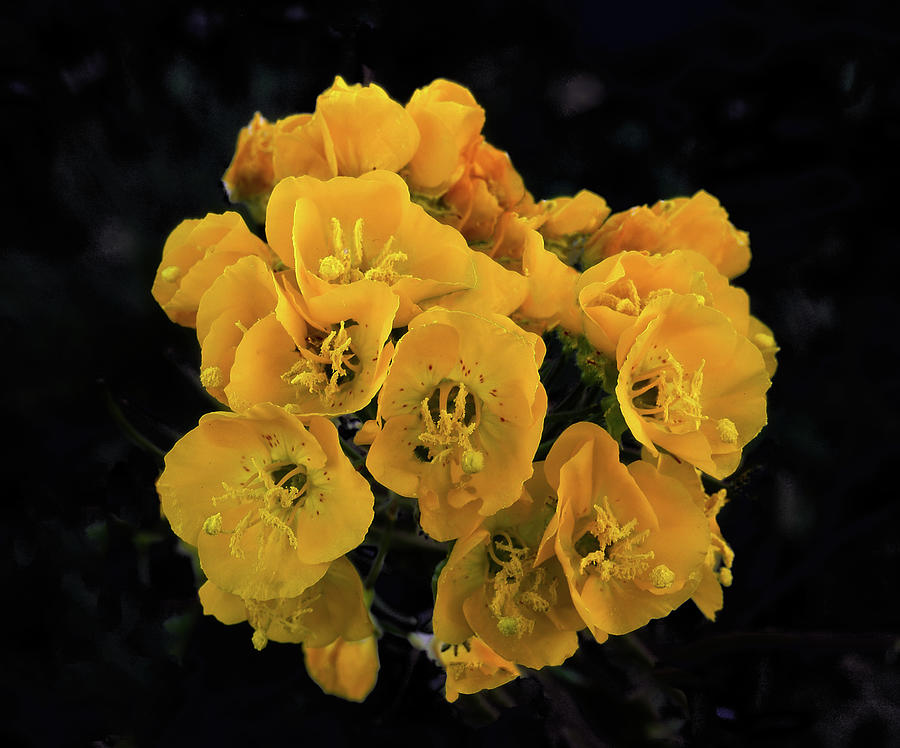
(259, 640)
(213, 524)
(727, 431)
(472, 461)
(172, 273)
(662, 577)
(212, 376)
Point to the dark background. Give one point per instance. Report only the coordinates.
(118, 121)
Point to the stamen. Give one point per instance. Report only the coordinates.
(212, 525)
(662, 577)
(616, 557)
(452, 431)
(727, 430)
(334, 354)
(171, 273)
(212, 376)
(677, 404)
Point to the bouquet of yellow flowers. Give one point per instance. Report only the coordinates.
(548, 393)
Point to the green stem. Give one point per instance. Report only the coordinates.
(130, 431)
(383, 545)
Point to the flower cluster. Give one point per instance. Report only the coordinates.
(384, 344)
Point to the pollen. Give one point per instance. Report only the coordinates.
(727, 431)
(676, 405)
(347, 261)
(213, 524)
(212, 376)
(330, 268)
(259, 640)
(451, 432)
(616, 555)
(171, 273)
(472, 461)
(508, 626)
(323, 372)
(662, 577)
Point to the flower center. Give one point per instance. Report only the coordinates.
(289, 614)
(610, 550)
(519, 589)
(450, 416)
(669, 395)
(273, 493)
(622, 296)
(323, 373)
(347, 262)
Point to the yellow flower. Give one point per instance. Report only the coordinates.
(637, 229)
(497, 289)
(631, 541)
(344, 230)
(364, 129)
(689, 383)
(268, 502)
(550, 299)
(472, 667)
(491, 587)
(489, 187)
(463, 409)
(242, 295)
(701, 224)
(326, 356)
(719, 556)
(449, 122)
(353, 130)
(613, 293)
(250, 176)
(348, 669)
(566, 222)
(195, 254)
(332, 609)
(762, 337)
(698, 223)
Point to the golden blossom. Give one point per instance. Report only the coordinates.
(631, 540)
(689, 383)
(462, 409)
(268, 501)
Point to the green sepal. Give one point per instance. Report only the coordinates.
(437, 573)
(613, 418)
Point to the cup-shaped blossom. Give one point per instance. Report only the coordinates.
(550, 299)
(491, 587)
(251, 174)
(326, 356)
(462, 410)
(613, 293)
(332, 609)
(690, 384)
(701, 224)
(345, 229)
(344, 668)
(242, 295)
(567, 222)
(268, 501)
(194, 255)
(449, 121)
(716, 572)
(364, 129)
(471, 666)
(697, 223)
(489, 187)
(631, 540)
